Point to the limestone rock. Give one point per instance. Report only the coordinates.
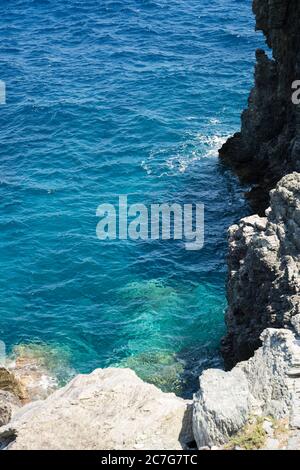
(221, 407)
(9, 404)
(260, 386)
(263, 287)
(267, 373)
(272, 444)
(295, 321)
(107, 409)
(268, 428)
(9, 383)
(10, 394)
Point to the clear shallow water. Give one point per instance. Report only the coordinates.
(107, 98)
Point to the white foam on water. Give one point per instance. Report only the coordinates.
(47, 382)
(176, 160)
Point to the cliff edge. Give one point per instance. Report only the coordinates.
(263, 286)
(268, 145)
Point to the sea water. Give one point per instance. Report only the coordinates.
(108, 98)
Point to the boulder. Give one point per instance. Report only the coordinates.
(9, 383)
(5, 412)
(9, 404)
(221, 407)
(265, 385)
(107, 409)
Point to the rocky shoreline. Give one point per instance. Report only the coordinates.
(256, 404)
(264, 265)
(268, 145)
(114, 409)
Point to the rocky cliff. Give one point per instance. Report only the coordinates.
(267, 385)
(264, 272)
(268, 145)
(263, 286)
(113, 408)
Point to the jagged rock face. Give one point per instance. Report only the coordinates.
(5, 413)
(265, 385)
(9, 404)
(263, 286)
(221, 407)
(9, 383)
(268, 146)
(108, 409)
(11, 394)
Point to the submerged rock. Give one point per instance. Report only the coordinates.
(160, 368)
(23, 378)
(29, 367)
(263, 287)
(265, 385)
(107, 409)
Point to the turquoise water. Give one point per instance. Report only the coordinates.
(107, 98)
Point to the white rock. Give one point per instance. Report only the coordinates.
(260, 386)
(272, 444)
(268, 428)
(107, 409)
(221, 407)
(296, 324)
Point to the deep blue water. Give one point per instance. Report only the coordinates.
(106, 98)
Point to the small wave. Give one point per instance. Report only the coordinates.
(176, 160)
(213, 143)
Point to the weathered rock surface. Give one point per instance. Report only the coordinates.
(108, 409)
(9, 403)
(221, 407)
(9, 383)
(268, 146)
(5, 413)
(295, 321)
(265, 385)
(263, 287)
(11, 394)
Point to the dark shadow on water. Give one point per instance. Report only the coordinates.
(194, 361)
